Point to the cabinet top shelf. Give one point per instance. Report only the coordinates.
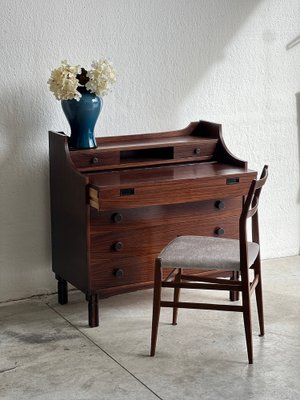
(199, 142)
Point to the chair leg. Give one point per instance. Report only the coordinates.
(259, 297)
(247, 322)
(156, 305)
(234, 295)
(176, 297)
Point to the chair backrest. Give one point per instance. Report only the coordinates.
(250, 210)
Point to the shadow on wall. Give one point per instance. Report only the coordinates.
(184, 46)
(24, 200)
(293, 43)
(298, 123)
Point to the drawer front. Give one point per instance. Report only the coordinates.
(93, 158)
(133, 260)
(120, 220)
(203, 150)
(126, 271)
(169, 193)
(123, 251)
(151, 240)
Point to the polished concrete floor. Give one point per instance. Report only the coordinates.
(47, 351)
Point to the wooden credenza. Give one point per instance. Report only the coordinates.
(115, 207)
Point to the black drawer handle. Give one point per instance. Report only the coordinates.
(117, 218)
(95, 160)
(197, 151)
(219, 231)
(127, 192)
(118, 273)
(220, 204)
(232, 181)
(118, 246)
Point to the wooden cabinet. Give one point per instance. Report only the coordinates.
(115, 207)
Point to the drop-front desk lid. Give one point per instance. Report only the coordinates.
(168, 184)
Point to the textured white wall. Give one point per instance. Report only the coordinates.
(225, 61)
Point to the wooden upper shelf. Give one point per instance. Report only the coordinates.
(199, 142)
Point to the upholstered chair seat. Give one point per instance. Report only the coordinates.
(203, 252)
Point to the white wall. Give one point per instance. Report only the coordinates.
(178, 61)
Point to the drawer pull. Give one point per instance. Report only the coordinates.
(219, 231)
(232, 181)
(118, 273)
(197, 151)
(95, 160)
(220, 204)
(118, 246)
(127, 192)
(117, 218)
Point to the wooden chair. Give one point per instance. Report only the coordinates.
(200, 252)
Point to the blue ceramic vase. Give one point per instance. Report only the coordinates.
(82, 116)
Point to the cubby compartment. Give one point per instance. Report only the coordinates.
(150, 154)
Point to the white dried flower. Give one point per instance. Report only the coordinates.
(63, 82)
(101, 77)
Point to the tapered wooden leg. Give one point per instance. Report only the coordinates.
(62, 290)
(234, 295)
(247, 323)
(156, 305)
(93, 310)
(259, 297)
(176, 297)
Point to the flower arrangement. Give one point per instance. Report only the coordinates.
(65, 80)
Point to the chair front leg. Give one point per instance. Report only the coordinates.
(247, 318)
(156, 305)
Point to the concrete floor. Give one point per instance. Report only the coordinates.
(47, 351)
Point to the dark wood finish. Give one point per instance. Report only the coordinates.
(234, 295)
(115, 207)
(167, 185)
(62, 290)
(93, 310)
(69, 216)
(234, 285)
(156, 305)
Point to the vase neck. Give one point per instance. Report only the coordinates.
(82, 90)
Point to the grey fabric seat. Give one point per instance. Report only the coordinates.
(202, 252)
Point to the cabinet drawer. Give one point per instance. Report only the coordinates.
(151, 240)
(127, 219)
(161, 186)
(134, 263)
(127, 271)
(93, 158)
(201, 150)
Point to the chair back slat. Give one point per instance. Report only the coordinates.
(249, 210)
(252, 211)
(251, 204)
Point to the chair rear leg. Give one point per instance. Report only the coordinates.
(234, 295)
(156, 306)
(176, 297)
(259, 297)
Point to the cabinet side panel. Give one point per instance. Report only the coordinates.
(69, 216)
